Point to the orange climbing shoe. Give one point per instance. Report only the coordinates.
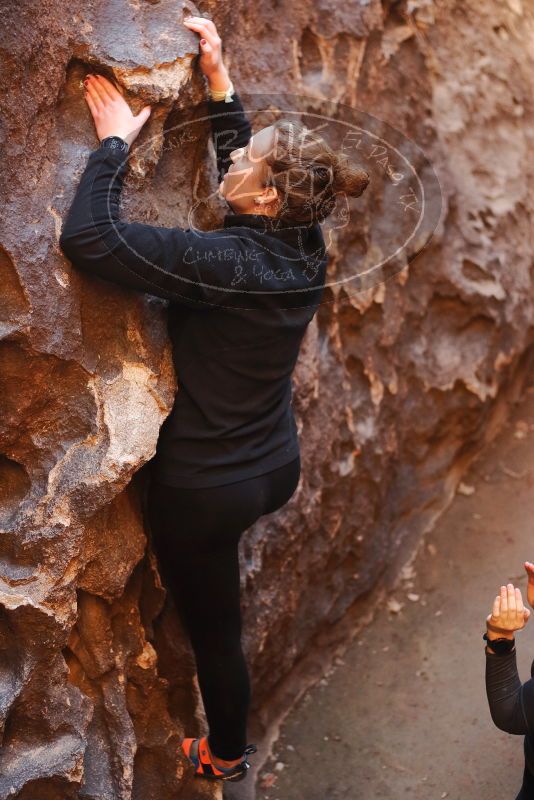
(197, 752)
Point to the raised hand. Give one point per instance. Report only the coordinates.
(210, 62)
(529, 567)
(111, 113)
(508, 613)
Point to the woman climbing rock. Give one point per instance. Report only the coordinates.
(240, 300)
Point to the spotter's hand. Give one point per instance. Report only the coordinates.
(111, 113)
(529, 567)
(508, 612)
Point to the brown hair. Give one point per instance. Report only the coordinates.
(309, 174)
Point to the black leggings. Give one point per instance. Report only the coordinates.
(195, 535)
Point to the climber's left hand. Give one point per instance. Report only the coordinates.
(111, 113)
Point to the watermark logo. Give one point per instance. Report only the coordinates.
(365, 238)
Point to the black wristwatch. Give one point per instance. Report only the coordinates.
(500, 646)
(115, 143)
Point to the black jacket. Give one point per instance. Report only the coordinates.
(240, 299)
(511, 702)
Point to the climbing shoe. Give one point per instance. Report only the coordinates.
(198, 753)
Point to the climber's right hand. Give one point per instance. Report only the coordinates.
(210, 62)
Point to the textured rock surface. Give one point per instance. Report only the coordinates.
(396, 388)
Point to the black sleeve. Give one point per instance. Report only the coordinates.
(230, 129)
(507, 697)
(172, 263)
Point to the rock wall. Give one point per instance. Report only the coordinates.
(396, 389)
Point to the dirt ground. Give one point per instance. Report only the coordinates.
(404, 713)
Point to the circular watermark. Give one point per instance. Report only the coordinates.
(364, 241)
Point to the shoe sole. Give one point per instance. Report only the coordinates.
(238, 777)
(186, 748)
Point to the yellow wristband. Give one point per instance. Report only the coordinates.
(225, 95)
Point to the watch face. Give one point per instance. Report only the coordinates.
(115, 143)
(501, 645)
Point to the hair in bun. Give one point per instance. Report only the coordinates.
(309, 174)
